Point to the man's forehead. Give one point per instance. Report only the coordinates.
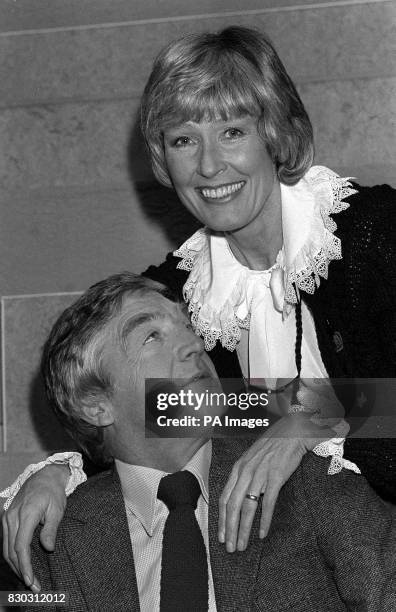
(152, 303)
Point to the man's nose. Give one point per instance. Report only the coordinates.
(189, 345)
(211, 160)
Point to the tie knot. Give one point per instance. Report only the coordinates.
(179, 489)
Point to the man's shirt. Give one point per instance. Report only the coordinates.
(146, 520)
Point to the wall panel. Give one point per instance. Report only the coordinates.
(111, 62)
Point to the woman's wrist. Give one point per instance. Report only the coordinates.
(69, 472)
(57, 473)
(311, 431)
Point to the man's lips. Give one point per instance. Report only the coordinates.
(219, 192)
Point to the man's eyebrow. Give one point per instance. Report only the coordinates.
(132, 323)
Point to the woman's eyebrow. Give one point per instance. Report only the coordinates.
(172, 129)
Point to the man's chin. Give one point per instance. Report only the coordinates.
(176, 408)
(208, 397)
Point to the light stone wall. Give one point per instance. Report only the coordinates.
(78, 198)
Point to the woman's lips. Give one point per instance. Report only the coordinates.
(222, 192)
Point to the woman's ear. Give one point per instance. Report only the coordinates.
(99, 412)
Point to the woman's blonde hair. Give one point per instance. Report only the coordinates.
(222, 76)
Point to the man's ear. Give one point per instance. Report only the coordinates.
(99, 412)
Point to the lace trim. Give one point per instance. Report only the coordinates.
(334, 448)
(72, 459)
(329, 190)
(308, 278)
(228, 329)
(190, 250)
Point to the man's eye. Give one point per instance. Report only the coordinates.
(152, 337)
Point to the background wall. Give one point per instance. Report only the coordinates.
(78, 198)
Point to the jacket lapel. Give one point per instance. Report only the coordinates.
(98, 544)
(100, 551)
(233, 573)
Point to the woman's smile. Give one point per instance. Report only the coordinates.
(221, 193)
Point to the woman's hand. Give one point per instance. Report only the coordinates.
(42, 499)
(264, 468)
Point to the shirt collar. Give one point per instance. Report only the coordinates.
(140, 485)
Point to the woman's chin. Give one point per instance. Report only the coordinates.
(224, 225)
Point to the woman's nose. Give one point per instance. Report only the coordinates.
(211, 161)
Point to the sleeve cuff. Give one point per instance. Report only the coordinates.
(334, 448)
(72, 459)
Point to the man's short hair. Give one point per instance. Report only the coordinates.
(224, 75)
(71, 363)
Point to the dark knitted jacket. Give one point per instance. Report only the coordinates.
(355, 305)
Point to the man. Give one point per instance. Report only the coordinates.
(331, 543)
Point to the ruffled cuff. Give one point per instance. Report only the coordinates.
(334, 448)
(72, 459)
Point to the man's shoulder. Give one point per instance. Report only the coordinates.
(322, 491)
(88, 507)
(230, 449)
(95, 495)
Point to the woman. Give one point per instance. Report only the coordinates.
(226, 129)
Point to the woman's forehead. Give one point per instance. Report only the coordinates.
(212, 121)
(211, 104)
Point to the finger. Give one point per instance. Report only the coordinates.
(22, 547)
(268, 505)
(248, 511)
(50, 529)
(224, 497)
(5, 544)
(12, 526)
(249, 508)
(234, 506)
(5, 537)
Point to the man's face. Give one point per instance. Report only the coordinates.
(150, 338)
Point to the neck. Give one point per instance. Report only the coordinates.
(165, 454)
(257, 245)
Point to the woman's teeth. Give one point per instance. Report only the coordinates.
(222, 192)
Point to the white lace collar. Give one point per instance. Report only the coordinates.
(219, 289)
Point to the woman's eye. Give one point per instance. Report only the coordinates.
(233, 133)
(152, 337)
(181, 141)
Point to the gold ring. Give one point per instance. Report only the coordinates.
(252, 497)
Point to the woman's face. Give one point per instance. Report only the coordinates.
(221, 171)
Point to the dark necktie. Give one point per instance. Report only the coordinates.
(184, 573)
